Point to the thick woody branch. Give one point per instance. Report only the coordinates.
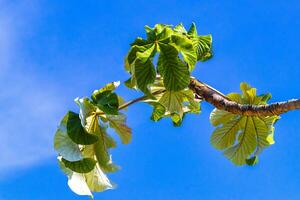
(223, 103)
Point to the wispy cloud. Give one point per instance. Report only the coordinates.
(28, 105)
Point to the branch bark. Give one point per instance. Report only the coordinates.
(221, 102)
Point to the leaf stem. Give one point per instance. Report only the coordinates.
(128, 103)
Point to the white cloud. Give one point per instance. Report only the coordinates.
(29, 106)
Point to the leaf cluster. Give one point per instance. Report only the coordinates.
(83, 143)
(164, 61)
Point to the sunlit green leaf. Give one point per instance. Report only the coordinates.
(203, 47)
(193, 30)
(97, 181)
(158, 111)
(175, 73)
(164, 34)
(132, 55)
(185, 47)
(180, 29)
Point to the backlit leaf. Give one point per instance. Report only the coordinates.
(118, 123)
(175, 73)
(243, 137)
(185, 47)
(203, 47)
(97, 181)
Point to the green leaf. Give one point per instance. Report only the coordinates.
(224, 136)
(131, 82)
(81, 166)
(177, 119)
(106, 101)
(118, 123)
(185, 47)
(132, 55)
(147, 54)
(164, 34)
(173, 104)
(158, 111)
(139, 42)
(62, 166)
(97, 181)
(203, 47)
(180, 29)
(145, 74)
(246, 143)
(173, 101)
(63, 143)
(252, 161)
(218, 117)
(108, 87)
(193, 30)
(76, 132)
(101, 149)
(243, 136)
(151, 36)
(144, 70)
(175, 73)
(139, 64)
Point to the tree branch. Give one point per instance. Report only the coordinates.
(221, 102)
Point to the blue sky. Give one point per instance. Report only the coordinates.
(54, 51)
